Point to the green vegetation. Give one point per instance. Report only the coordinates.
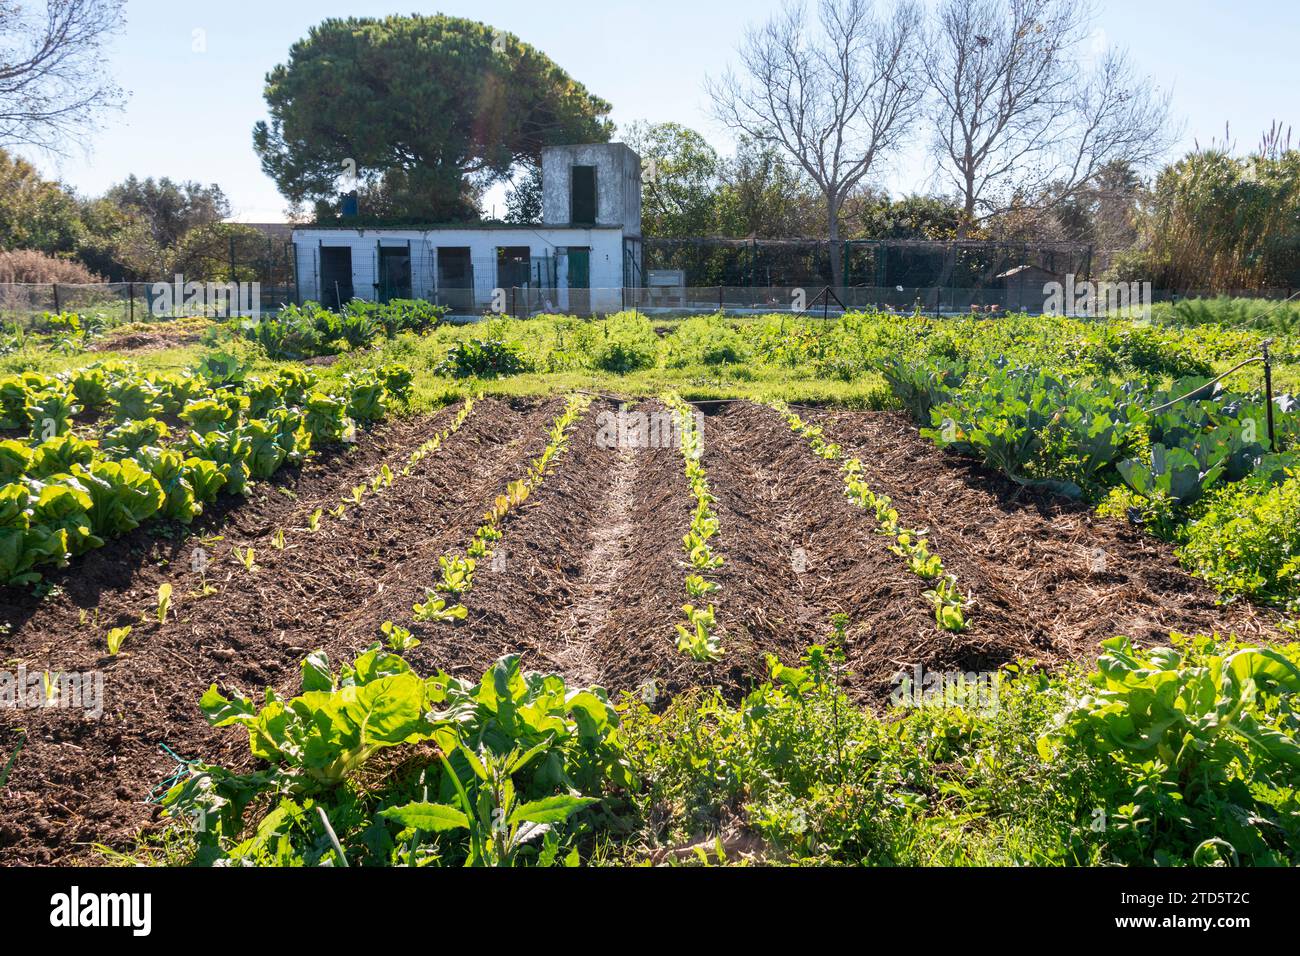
(298, 332)
(511, 750)
(1057, 404)
(1178, 755)
(78, 475)
(1184, 754)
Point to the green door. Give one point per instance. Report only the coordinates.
(579, 281)
(579, 268)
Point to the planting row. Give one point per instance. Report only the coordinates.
(696, 637)
(457, 571)
(908, 543)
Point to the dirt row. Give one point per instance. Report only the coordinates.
(80, 780)
(1048, 578)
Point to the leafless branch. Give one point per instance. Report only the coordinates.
(835, 96)
(1028, 108)
(52, 80)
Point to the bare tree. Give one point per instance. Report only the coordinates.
(1022, 119)
(835, 97)
(52, 80)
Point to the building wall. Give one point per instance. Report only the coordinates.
(546, 245)
(618, 184)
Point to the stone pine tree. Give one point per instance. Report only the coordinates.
(419, 113)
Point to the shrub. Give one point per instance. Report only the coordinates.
(1247, 541)
(482, 358)
(622, 343)
(707, 340)
(28, 265)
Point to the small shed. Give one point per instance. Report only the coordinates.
(1023, 287)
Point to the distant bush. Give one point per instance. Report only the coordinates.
(482, 358)
(623, 343)
(707, 340)
(1266, 315)
(28, 265)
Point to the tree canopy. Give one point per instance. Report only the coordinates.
(424, 111)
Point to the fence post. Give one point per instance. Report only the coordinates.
(130, 298)
(55, 287)
(1268, 394)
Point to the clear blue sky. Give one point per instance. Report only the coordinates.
(191, 114)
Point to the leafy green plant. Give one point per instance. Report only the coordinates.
(1200, 747)
(164, 602)
(436, 609)
(399, 639)
(482, 358)
(23, 544)
(512, 754)
(115, 638)
(122, 494)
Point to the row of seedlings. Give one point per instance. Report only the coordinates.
(697, 637)
(910, 544)
(443, 602)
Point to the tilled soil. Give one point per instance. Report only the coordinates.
(588, 576)
(80, 780)
(587, 581)
(798, 551)
(1049, 579)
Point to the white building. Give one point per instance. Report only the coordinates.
(578, 259)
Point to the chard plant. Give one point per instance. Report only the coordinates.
(115, 638)
(696, 637)
(436, 610)
(399, 639)
(500, 766)
(164, 602)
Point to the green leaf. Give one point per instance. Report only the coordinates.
(316, 673)
(433, 817)
(222, 712)
(555, 809)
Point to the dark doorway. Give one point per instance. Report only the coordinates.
(394, 273)
(456, 278)
(514, 267)
(582, 211)
(335, 276)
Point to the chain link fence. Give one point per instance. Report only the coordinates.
(118, 303)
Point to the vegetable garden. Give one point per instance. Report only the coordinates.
(413, 606)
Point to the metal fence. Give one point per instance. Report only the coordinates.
(24, 302)
(123, 302)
